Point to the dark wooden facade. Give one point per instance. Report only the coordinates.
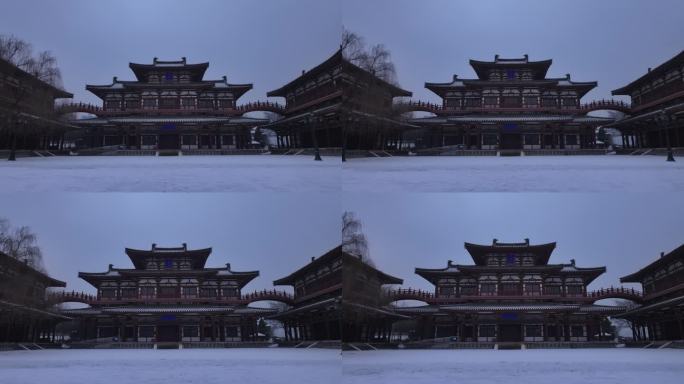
(661, 316)
(25, 314)
(338, 105)
(511, 294)
(169, 296)
(27, 111)
(315, 314)
(657, 116)
(511, 105)
(366, 316)
(170, 106)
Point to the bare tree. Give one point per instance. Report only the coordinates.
(377, 59)
(354, 241)
(22, 244)
(42, 66)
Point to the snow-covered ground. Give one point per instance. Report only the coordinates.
(514, 174)
(205, 366)
(171, 174)
(559, 366)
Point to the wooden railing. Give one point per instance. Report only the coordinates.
(417, 105)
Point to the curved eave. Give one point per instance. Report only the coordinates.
(477, 250)
(289, 279)
(480, 66)
(335, 59)
(201, 255)
(140, 69)
(637, 276)
(627, 89)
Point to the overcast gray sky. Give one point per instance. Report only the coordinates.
(275, 234)
(623, 232)
(265, 42)
(269, 42)
(609, 41)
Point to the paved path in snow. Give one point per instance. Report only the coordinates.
(557, 366)
(253, 173)
(514, 174)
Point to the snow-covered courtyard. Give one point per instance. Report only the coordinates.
(205, 366)
(514, 174)
(247, 173)
(558, 366)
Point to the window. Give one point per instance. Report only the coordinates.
(188, 102)
(576, 331)
(189, 292)
(531, 101)
(553, 290)
(549, 102)
(575, 290)
(491, 101)
(189, 140)
(569, 102)
(232, 332)
(532, 289)
(511, 102)
(132, 104)
(533, 331)
(149, 140)
(571, 139)
(108, 293)
(488, 289)
(168, 292)
(531, 139)
(473, 102)
(446, 291)
(113, 105)
(146, 331)
(206, 104)
(231, 292)
(487, 331)
(147, 292)
(208, 292)
(510, 289)
(168, 103)
(225, 103)
(149, 103)
(190, 331)
(129, 293)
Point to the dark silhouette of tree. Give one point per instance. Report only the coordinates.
(354, 242)
(28, 68)
(22, 244)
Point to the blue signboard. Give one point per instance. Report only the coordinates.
(510, 127)
(510, 259)
(168, 263)
(168, 76)
(509, 316)
(169, 127)
(167, 317)
(510, 74)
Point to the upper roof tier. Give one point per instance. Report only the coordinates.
(315, 263)
(142, 70)
(674, 63)
(198, 257)
(334, 61)
(663, 261)
(540, 252)
(538, 68)
(169, 75)
(511, 72)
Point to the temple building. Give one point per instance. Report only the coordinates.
(169, 106)
(511, 294)
(25, 314)
(315, 313)
(338, 297)
(169, 296)
(657, 116)
(366, 315)
(338, 105)
(511, 106)
(661, 315)
(27, 111)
